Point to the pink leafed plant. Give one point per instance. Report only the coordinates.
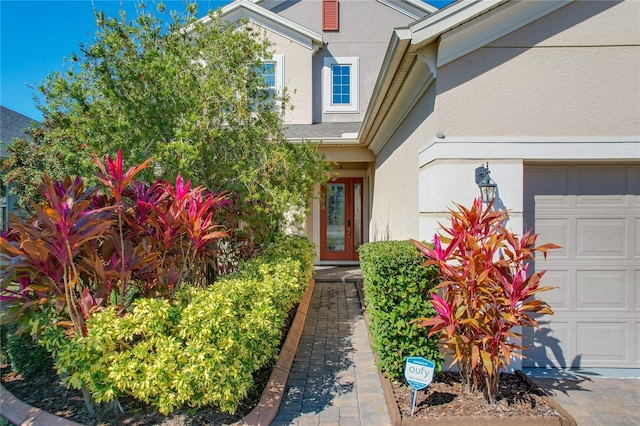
(486, 292)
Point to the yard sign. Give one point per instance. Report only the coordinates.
(419, 374)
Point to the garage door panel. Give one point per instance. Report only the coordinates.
(546, 345)
(599, 343)
(601, 180)
(637, 337)
(556, 231)
(558, 297)
(636, 284)
(601, 237)
(600, 201)
(595, 216)
(552, 201)
(637, 238)
(549, 181)
(601, 290)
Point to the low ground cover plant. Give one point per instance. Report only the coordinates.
(398, 289)
(486, 291)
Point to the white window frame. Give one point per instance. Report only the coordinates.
(327, 97)
(279, 61)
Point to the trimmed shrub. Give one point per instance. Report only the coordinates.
(203, 348)
(396, 291)
(26, 356)
(4, 353)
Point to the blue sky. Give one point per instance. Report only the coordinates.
(37, 35)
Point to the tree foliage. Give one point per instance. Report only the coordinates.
(186, 92)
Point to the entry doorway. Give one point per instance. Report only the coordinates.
(341, 218)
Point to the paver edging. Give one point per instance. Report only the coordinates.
(397, 419)
(21, 413)
(566, 418)
(267, 408)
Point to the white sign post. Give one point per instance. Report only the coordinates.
(419, 374)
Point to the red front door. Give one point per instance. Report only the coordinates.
(341, 219)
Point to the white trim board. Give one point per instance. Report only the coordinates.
(561, 148)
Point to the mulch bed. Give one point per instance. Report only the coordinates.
(48, 393)
(445, 397)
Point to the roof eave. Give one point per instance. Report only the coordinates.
(397, 47)
(314, 37)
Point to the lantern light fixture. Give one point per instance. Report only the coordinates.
(486, 184)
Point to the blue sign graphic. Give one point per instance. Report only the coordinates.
(418, 372)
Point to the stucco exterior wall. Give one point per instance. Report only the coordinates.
(297, 77)
(394, 210)
(445, 183)
(365, 30)
(550, 78)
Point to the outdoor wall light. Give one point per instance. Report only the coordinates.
(486, 184)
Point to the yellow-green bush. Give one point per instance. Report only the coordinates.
(203, 349)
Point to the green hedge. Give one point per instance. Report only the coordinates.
(203, 349)
(27, 357)
(396, 291)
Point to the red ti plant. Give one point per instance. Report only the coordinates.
(486, 291)
(182, 219)
(164, 234)
(81, 249)
(45, 256)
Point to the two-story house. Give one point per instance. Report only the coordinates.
(327, 53)
(408, 102)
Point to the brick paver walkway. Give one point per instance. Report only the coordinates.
(333, 380)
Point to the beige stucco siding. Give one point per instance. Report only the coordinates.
(581, 23)
(542, 91)
(549, 80)
(365, 30)
(394, 212)
(297, 76)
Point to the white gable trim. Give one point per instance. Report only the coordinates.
(419, 79)
(396, 5)
(383, 90)
(271, 21)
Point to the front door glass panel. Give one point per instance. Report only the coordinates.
(357, 215)
(335, 219)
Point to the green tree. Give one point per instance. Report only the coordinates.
(186, 92)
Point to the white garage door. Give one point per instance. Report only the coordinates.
(593, 212)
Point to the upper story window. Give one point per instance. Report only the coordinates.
(272, 73)
(340, 84)
(268, 72)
